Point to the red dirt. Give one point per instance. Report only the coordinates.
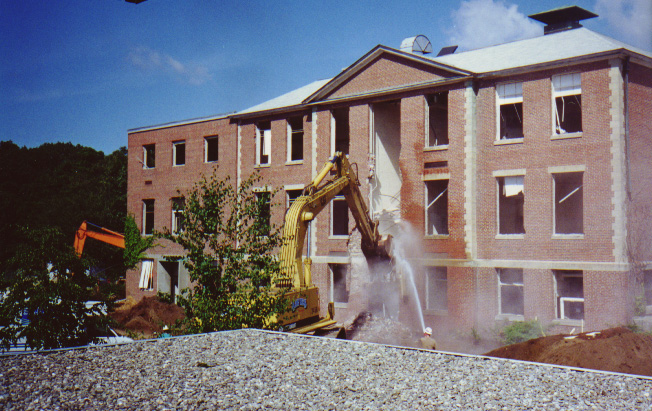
(147, 316)
(616, 349)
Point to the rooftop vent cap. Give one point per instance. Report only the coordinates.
(446, 50)
(416, 44)
(563, 18)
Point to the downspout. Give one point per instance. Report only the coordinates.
(627, 143)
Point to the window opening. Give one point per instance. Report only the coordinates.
(510, 109)
(437, 207)
(647, 286)
(263, 143)
(339, 216)
(339, 285)
(569, 295)
(170, 281)
(179, 153)
(211, 145)
(511, 199)
(178, 218)
(567, 94)
(148, 217)
(436, 288)
(295, 128)
(569, 203)
(511, 291)
(146, 275)
(341, 116)
(263, 222)
(149, 156)
(437, 119)
(292, 195)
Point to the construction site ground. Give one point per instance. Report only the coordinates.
(616, 349)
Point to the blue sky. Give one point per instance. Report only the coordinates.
(87, 71)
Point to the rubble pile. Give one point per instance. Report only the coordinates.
(368, 327)
(146, 317)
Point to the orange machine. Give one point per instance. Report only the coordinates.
(102, 234)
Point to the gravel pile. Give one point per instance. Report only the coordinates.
(250, 369)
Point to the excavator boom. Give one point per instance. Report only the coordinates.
(104, 235)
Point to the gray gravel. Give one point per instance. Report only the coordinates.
(249, 369)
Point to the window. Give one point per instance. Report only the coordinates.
(340, 130)
(263, 208)
(510, 110)
(510, 281)
(569, 293)
(437, 119)
(647, 286)
(178, 219)
(210, 149)
(436, 288)
(569, 203)
(149, 156)
(567, 105)
(179, 153)
(148, 217)
(146, 275)
(339, 216)
(292, 195)
(339, 288)
(437, 207)
(511, 199)
(263, 143)
(295, 139)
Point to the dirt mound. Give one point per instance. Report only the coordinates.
(369, 328)
(147, 316)
(616, 349)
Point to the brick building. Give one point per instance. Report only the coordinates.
(521, 168)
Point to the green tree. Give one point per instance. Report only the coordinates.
(46, 283)
(230, 255)
(135, 244)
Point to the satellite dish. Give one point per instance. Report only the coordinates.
(417, 44)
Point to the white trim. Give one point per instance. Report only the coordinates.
(508, 173)
(567, 169)
(470, 172)
(436, 176)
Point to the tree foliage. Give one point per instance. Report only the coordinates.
(45, 283)
(135, 244)
(230, 245)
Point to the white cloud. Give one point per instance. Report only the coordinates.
(631, 19)
(150, 60)
(480, 23)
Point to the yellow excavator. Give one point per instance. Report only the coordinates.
(295, 272)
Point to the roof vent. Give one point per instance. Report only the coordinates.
(416, 44)
(446, 50)
(563, 18)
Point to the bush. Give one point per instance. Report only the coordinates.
(520, 331)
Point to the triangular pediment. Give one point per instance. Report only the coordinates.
(384, 69)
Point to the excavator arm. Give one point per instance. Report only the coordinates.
(104, 235)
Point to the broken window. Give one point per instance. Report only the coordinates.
(295, 139)
(569, 293)
(148, 217)
(511, 198)
(339, 287)
(437, 119)
(211, 149)
(437, 207)
(178, 220)
(510, 110)
(263, 143)
(292, 195)
(149, 156)
(510, 281)
(341, 137)
(567, 95)
(339, 216)
(179, 153)
(436, 288)
(146, 275)
(569, 203)
(262, 224)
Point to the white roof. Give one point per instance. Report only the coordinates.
(548, 48)
(288, 99)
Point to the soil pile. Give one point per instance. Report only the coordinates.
(616, 349)
(146, 317)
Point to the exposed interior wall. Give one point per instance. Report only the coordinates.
(386, 187)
